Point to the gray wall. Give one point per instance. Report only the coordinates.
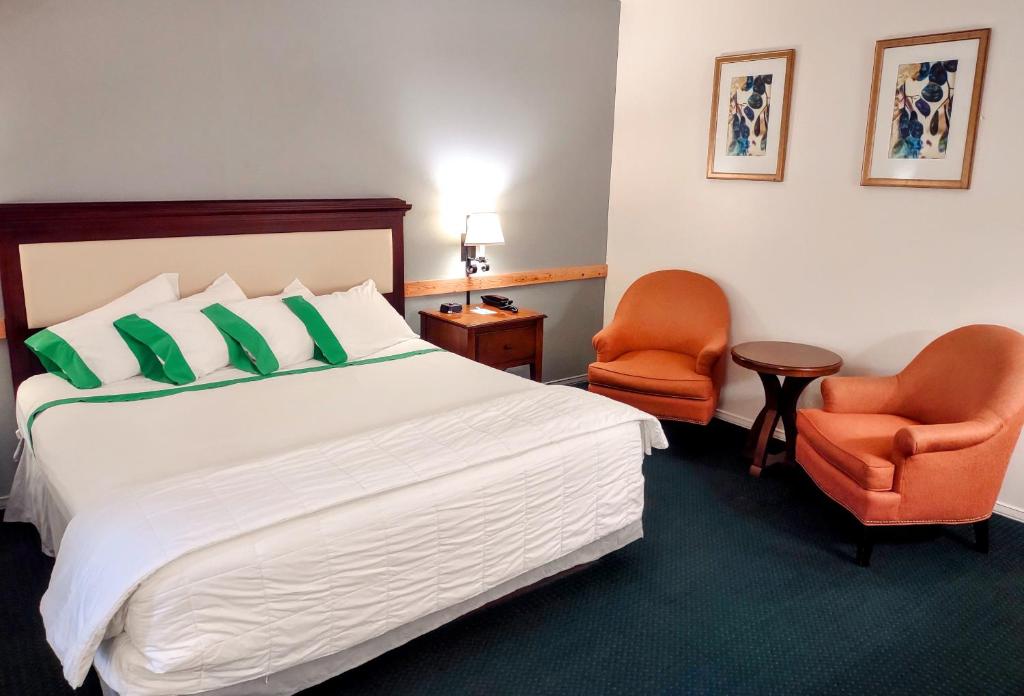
(453, 105)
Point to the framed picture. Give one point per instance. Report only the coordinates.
(923, 112)
(750, 116)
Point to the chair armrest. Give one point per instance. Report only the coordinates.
(859, 394)
(710, 354)
(946, 437)
(609, 343)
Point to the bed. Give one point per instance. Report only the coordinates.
(258, 536)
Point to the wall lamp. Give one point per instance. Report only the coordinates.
(481, 229)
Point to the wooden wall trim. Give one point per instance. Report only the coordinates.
(446, 286)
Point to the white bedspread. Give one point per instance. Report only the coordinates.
(424, 515)
(109, 550)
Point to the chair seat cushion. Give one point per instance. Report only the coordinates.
(858, 444)
(653, 372)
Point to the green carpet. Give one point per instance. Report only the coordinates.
(741, 586)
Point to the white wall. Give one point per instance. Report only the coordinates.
(872, 273)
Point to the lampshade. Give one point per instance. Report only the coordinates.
(483, 229)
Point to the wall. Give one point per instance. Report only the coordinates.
(453, 105)
(872, 273)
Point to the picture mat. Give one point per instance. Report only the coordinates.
(949, 168)
(768, 163)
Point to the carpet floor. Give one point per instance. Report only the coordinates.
(740, 586)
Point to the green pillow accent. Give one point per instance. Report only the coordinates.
(59, 358)
(328, 349)
(252, 350)
(237, 355)
(149, 364)
(158, 353)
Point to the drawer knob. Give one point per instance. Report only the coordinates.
(508, 346)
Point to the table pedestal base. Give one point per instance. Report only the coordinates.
(779, 404)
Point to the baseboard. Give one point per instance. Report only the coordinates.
(1009, 511)
(743, 421)
(569, 381)
(1012, 512)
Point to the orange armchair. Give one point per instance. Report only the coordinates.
(663, 350)
(929, 445)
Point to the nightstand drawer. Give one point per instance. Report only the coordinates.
(508, 345)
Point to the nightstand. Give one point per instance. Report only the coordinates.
(501, 340)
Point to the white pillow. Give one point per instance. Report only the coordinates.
(87, 350)
(360, 319)
(271, 337)
(175, 342)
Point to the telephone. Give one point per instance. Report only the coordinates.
(499, 301)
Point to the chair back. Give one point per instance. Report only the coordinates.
(965, 374)
(673, 310)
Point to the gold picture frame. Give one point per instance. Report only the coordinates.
(723, 162)
(930, 157)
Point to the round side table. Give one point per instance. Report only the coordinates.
(800, 365)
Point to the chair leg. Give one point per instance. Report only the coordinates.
(865, 545)
(981, 536)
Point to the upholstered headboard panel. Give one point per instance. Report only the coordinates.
(65, 279)
(60, 260)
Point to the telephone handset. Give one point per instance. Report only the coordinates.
(499, 301)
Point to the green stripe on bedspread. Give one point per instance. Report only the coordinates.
(158, 393)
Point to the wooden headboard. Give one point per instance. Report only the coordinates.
(37, 236)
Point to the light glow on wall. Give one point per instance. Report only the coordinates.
(467, 184)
